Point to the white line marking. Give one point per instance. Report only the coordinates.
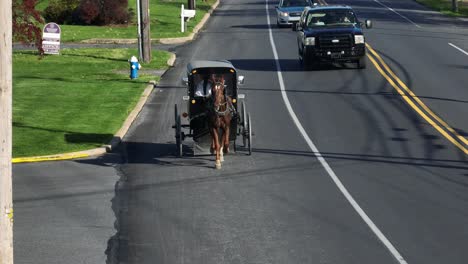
(460, 49)
(393, 10)
(322, 160)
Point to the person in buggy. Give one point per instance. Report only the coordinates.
(204, 83)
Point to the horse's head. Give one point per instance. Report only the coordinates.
(217, 90)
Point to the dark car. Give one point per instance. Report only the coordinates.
(332, 34)
(288, 12)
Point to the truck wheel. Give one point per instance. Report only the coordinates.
(361, 63)
(306, 60)
(311, 63)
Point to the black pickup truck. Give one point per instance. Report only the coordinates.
(332, 34)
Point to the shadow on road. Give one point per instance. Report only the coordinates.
(287, 65)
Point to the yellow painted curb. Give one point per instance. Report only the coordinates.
(49, 158)
(112, 144)
(104, 149)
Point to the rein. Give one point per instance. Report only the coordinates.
(229, 107)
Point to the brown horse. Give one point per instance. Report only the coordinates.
(219, 119)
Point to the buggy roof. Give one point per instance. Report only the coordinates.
(198, 64)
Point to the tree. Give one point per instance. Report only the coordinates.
(26, 23)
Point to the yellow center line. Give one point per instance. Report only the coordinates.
(415, 107)
(402, 84)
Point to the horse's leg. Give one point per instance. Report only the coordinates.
(212, 147)
(226, 135)
(217, 147)
(221, 153)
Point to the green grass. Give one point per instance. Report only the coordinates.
(165, 22)
(74, 101)
(445, 6)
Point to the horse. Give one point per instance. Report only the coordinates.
(219, 119)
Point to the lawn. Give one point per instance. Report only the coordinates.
(445, 6)
(164, 15)
(75, 101)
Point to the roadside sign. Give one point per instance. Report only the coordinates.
(51, 38)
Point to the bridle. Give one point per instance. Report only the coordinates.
(229, 108)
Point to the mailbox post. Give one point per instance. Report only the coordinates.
(185, 13)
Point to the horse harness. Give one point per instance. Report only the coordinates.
(212, 108)
(229, 106)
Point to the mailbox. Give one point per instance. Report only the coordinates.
(189, 13)
(185, 13)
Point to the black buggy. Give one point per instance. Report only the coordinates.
(196, 115)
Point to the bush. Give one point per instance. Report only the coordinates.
(114, 11)
(87, 12)
(60, 11)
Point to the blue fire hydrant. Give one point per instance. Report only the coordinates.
(134, 67)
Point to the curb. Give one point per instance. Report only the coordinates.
(180, 40)
(106, 148)
(171, 60)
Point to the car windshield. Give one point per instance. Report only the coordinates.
(326, 18)
(289, 3)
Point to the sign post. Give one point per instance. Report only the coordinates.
(51, 39)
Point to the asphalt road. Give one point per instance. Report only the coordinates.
(282, 204)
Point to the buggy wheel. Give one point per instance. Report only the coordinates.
(249, 130)
(178, 132)
(234, 146)
(244, 124)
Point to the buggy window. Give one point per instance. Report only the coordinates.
(203, 81)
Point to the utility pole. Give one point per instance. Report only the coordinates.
(145, 30)
(455, 6)
(191, 4)
(6, 84)
(140, 42)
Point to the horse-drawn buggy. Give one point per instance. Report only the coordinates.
(216, 113)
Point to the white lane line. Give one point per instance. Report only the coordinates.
(322, 160)
(393, 10)
(460, 49)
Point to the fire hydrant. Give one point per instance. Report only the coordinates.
(134, 67)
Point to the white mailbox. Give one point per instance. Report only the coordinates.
(185, 13)
(189, 13)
